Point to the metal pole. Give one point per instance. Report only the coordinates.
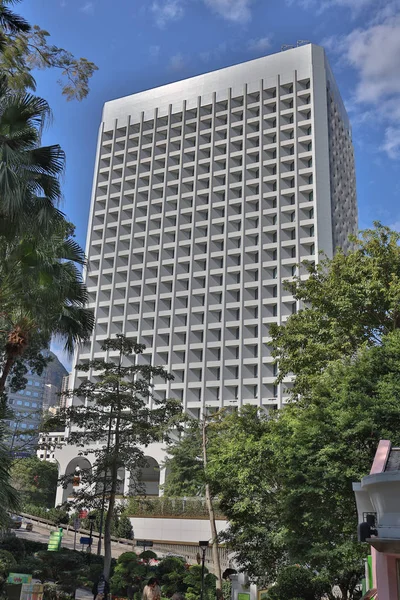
(75, 540)
(203, 560)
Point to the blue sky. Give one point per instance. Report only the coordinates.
(138, 44)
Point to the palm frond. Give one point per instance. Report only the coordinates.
(12, 22)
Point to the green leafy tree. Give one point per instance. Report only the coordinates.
(124, 528)
(24, 48)
(297, 583)
(29, 173)
(171, 573)
(188, 456)
(129, 574)
(242, 474)
(41, 295)
(120, 412)
(348, 301)
(7, 562)
(285, 483)
(184, 464)
(41, 288)
(9, 499)
(192, 581)
(36, 480)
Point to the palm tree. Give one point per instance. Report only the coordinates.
(10, 23)
(41, 289)
(42, 294)
(9, 499)
(29, 173)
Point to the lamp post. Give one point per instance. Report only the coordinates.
(203, 546)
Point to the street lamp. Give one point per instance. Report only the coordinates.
(91, 521)
(203, 546)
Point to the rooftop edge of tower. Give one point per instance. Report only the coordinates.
(302, 59)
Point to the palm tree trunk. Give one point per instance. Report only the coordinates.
(6, 371)
(211, 514)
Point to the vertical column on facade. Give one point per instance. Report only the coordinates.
(161, 240)
(73, 380)
(102, 247)
(226, 244)
(146, 233)
(117, 240)
(208, 257)
(86, 267)
(192, 254)
(278, 215)
(134, 208)
(176, 248)
(145, 261)
(121, 208)
(260, 246)
(243, 246)
(296, 171)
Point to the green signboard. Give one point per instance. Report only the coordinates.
(243, 596)
(19, 578)
(55, 540)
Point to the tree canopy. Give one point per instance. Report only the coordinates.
(36, 480)
(121, 412)
(284, 479)
(24, 48)
(347, 301)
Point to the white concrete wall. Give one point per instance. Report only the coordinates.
(174, 530)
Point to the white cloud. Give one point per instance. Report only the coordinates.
(215, 53)
(171, 10)
(391, 143)
(177, 62)
(395, 226)
(259, 45)
(354, 5)
(373, 52)
(154, 51)
(232, 10)
(167, 10)
(87, 8)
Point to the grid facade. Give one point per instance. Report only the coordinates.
(204, 204)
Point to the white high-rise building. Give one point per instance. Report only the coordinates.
(208, 193)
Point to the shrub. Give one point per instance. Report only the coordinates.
(193, 582)
(14, 545)
(30, 565)
(7, 562)
(171, 507)
(296, 583)
(57, 515)
(171, 572)
(31, 547)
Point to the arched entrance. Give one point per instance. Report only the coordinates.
(148, 479)
(74, 467)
